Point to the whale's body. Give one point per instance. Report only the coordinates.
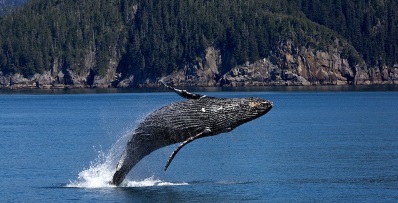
(198, 116)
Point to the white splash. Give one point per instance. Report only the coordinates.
(101, 171)
(97, 175)
(149, 182)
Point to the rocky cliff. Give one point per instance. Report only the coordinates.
(287, 65)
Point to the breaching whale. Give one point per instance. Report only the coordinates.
(183, 122)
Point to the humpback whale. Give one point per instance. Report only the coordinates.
(183, 122)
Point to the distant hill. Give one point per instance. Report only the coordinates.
(146, 40)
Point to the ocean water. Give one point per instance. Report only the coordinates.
(313, 146)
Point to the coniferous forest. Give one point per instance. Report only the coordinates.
(7, 6)
(152, 38)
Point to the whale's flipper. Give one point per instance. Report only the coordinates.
(199, 135)
(183, 93)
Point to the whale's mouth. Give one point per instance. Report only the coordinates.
(268, 105)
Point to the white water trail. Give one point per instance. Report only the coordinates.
(101, 171)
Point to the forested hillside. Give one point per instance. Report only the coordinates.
(152, 39)
(161, 35)
(371, 26)
(46, 31)
(7, 6)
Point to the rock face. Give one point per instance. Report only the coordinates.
(286, 65)
(260, 73)
(59, 78)
(382, 75)
(203, 73)
(302, 66)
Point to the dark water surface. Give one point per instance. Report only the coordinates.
(313, 146)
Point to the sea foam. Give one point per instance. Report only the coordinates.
(100, 172)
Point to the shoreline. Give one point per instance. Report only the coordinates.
(270, 88)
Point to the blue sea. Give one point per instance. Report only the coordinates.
(315, 145)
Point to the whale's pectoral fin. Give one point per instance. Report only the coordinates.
(199, 135)
(183, 93)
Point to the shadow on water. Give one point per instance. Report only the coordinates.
(168, 194)
(141, 194)
(194, 192)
